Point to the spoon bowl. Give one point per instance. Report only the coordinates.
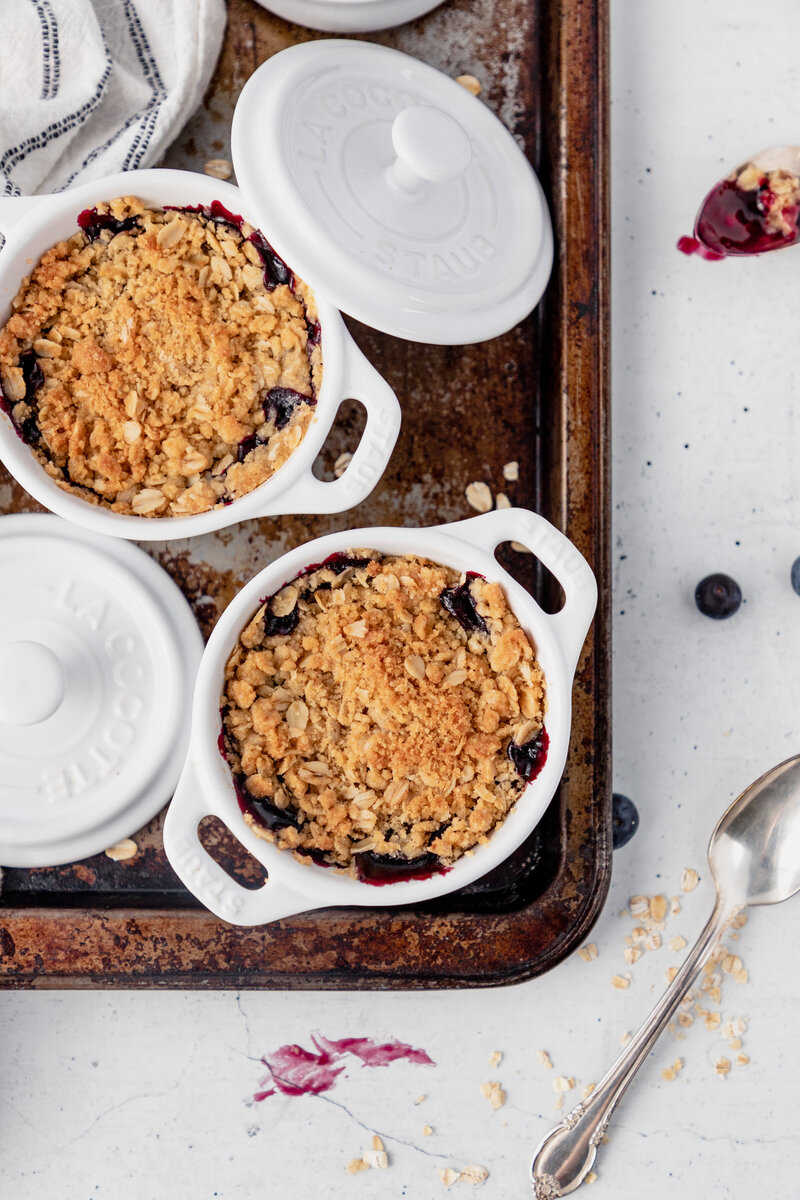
(754, 852)
(753, 210)
(754, 855)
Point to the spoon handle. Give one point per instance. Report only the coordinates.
(565, 1156)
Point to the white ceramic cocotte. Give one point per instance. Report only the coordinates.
(31, 225)
(206, 786)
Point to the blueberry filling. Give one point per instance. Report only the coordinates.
(33, 378)
(281, 402)
(275, 269)
(93, 223)
(530, 757)
(314, 332)
(280, 626)
(245, 446)
(384, 868)
(459, 603)
(267, 814)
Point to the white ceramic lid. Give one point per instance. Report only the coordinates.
(393, 191)
(349, 16)
(98, 655)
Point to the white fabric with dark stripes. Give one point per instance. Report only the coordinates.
(89, 87)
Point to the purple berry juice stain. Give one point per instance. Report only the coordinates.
(294, 1071)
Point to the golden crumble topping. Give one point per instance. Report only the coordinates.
(382, 711)
(161, 363)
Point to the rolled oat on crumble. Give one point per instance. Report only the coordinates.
(161, 363)
(382, 711)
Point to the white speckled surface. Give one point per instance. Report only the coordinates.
(142, 1096)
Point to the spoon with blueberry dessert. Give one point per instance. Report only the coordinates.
(754, 855)
(752, 210)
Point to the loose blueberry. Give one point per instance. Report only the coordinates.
(530, 757)
(459, 603)
(281, 402)
(624, 820)
(93, 223)
(718, 596)
(796, 575)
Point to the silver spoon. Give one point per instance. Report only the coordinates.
(754, 855)
(753, 210)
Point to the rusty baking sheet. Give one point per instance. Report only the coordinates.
(538, 395)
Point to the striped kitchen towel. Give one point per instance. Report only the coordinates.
(88, 87)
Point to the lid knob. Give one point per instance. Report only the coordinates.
(431, 147)
(31, 683)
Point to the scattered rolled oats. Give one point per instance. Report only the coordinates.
(677, 943)
(342, 463)
(476, 1175)
(626, 1037)
(639, 906)
(658, 908)
(741, 976)
(123, 850)
(495, 1058)
(470, 83)
(518, 546)
(670, 973)
(218, 168)
(722, 1067)
(591, 1177)
(743, 1059)
(587, 1091)
(543, 1059)
(502, 501)
(448, 1176)
(376, 1155)
(562, 1083)
(689, 879)
(355, 1165)
(675, 905)
(511, 471)
(631, 954)
(427, 1130)
(493, 1092)
(420, 1099)
(619, 981)
(479, 496)
(588, 952)
(669, 1073)
(731, 964)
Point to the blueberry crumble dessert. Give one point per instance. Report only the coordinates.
(161, 363)
(382, 714)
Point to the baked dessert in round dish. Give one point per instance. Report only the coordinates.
(381, 714)
(161, 362)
